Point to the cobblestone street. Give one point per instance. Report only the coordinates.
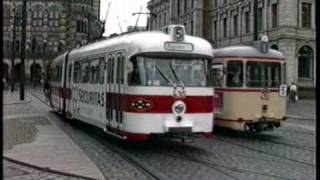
(285, 153)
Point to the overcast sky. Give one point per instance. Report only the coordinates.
(123, 9)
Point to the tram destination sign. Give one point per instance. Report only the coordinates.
(174, 46)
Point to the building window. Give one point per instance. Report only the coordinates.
(274, 46)
(82, 27)
(215, 32)
(215, 3)
(192, 4)
(178, 7)
(306, 15)
(247, 21)
(225, 1)
(274, 9)
(224, 27)
(259, 18)
(6, 16)
(17, 46)
(235, 25)
(191, 28)
(185, 6)
(164, 19)
(305, 62)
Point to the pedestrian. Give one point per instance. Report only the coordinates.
(293, 92)
(46, 89)
(4, 82)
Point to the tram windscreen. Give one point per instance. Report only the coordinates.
(151, 71)
(263, 74)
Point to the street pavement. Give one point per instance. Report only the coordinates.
(30, 137)
(285, 153)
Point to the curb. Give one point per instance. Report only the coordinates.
(299, 117)
(46, 169)
(17, 102)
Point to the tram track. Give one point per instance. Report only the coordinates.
(264, 152)
(296, 132)
(178, 154)
(217, 166)
(264, 138)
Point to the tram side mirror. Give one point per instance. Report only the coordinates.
(129, 67)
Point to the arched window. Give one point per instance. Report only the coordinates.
(274, 46)
(305, 62)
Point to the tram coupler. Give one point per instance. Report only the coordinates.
(259, 126)
(184, 138)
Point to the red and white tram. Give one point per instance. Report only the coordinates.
(250, 87)
(137, 84)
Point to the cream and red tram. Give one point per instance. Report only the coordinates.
(137, 84)
(249, 88)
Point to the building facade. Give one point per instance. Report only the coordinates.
(289, 24)
(53, 26)
(191, 13)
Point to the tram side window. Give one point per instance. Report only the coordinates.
(85, 69)
(76, 72)
(234, 74)
(101, 69)
(118, 68)
(122, 68)
(133, 72)
(216, 75)
(94, 71)
(69, 72)
(110, 69)
(57, 73)
(263, 74)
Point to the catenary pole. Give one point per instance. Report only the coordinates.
(23, 48)
(13, 48)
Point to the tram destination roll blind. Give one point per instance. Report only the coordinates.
(173, 46)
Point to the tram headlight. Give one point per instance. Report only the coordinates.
(179, 107)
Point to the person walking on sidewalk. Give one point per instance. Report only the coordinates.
(46, 90)
(293, 95)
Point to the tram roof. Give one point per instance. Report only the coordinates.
(246, 51)
(141, 42)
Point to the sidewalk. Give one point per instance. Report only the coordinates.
(32, 141)
(302, 109)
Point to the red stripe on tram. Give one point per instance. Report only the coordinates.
(161, 104)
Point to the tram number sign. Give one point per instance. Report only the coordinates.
(283, 90)
(265, 94)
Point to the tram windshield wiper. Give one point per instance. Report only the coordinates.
(165, 76)
(176, 75)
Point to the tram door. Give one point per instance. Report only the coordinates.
(68, 89)
(110, 62)
(119, 89)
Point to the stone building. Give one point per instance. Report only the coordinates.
(191, 13)
(53, 26)
(290, 25)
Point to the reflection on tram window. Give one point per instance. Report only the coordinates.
(148, 71)
(76, 72)
(263, 74)
(216, 75)
(234, 74)
(101, 69)
(57, 73)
